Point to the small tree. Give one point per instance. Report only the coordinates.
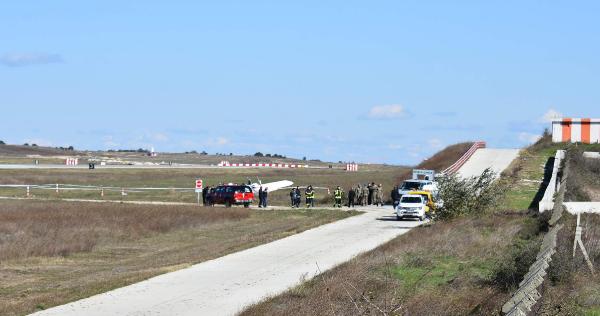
(70, 148)
(2, 143)
(258, 154)
(466, 196)
(304, 158)
(26, 144)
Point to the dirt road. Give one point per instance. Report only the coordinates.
(226, 285)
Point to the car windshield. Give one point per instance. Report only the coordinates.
(243, 190)
(411, 185)
(411, 199)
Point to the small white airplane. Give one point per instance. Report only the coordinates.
(271, 186)
(277, 185)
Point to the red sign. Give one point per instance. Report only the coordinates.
(199, 185)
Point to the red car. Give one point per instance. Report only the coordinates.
(231, 194)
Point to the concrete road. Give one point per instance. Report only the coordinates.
(497, 159)
(224, 286)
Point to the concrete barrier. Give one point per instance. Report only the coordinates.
(582, 207)
(523, 300)
(591, 154)
(547, 202)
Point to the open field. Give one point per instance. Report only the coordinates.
(55, 253)
(49, 155)
(185, 178)
(388, 176)
(468, 265)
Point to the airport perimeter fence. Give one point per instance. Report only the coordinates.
(526, 297)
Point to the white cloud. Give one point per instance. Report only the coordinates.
(392, 111)
(27, 59)
(529, 138)
(550, 115)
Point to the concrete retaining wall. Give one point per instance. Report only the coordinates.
(547, 202)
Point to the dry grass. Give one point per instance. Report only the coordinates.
(53, 253)
(59, 229)
(441, 160)
(442, 269)
(583, 182)
(185, 178)
(572, 289)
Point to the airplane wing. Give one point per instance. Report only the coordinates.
(277, 185)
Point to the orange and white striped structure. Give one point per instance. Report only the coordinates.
(576, 130)
(351, 167)
(260, 165)
(71, 161)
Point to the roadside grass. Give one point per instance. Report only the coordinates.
(447, 268)
(524, 177)
(54, 253)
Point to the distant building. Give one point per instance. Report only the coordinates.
(576, 130)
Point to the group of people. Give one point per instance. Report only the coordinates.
(367, 194)
(361, 195)
(296, 196)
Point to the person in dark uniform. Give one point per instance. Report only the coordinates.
(265, 196)
(298, 197)
(260, 196)
(395, 197)
(351, 197)
(293, 197)
(204, 192)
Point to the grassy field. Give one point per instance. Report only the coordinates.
(53, 253)
(466, 266)
(185, 178)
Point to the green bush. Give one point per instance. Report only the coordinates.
(466, 196)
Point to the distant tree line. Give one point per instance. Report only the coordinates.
(70, 148)
(259, 154)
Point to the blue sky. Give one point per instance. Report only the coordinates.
(367, 81)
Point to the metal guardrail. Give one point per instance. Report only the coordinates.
(462, 160)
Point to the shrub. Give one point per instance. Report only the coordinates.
(464, 196)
